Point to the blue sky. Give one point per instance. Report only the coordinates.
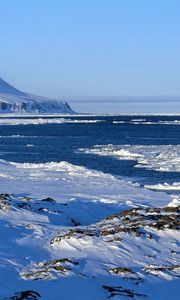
(76, 48)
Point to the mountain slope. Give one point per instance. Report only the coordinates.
(14, 101)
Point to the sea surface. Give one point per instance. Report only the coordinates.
(74, 138)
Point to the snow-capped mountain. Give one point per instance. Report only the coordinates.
(13, 100)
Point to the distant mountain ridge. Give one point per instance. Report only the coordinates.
(13, 100)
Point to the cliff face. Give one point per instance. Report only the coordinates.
(34, 107)
(14, 101)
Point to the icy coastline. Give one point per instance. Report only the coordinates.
(67, 226)
(15, 101)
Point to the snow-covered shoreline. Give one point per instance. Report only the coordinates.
(62, 178)
(67, 226)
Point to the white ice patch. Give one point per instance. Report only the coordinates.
(39, 121)
(174, 122)
(156, 157)
(145, 122)
(165, 187)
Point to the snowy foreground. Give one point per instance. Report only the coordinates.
(72, 233)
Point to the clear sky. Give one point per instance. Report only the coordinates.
(76, 48)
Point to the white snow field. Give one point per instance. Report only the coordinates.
(14, 101)
(71, 233)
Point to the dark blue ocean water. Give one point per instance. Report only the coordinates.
(60, 142)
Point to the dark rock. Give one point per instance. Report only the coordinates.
(48, 199)
(30, 295)
(120, 291)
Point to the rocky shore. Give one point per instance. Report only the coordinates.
(126, 254)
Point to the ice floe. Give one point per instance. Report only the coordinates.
(156, 157)
(39, 121)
